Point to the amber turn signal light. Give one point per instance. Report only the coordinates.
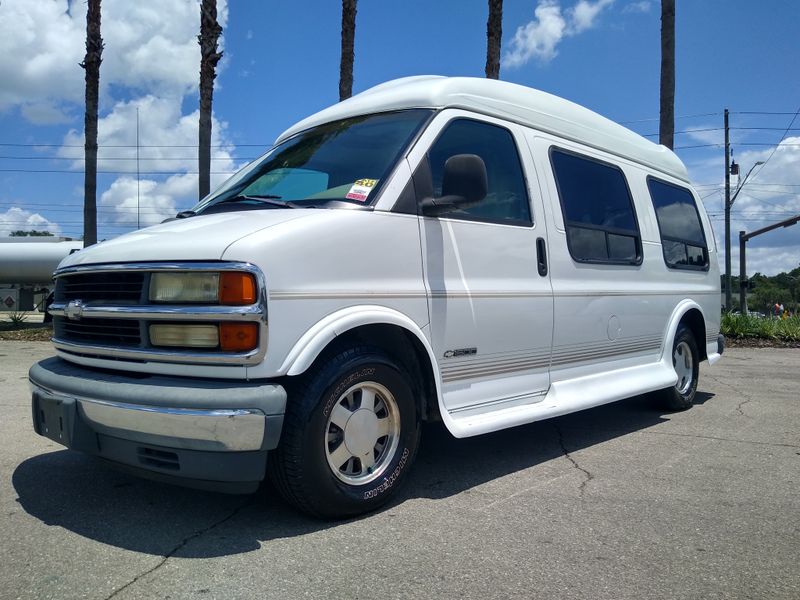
(238, 337)
(237, 288)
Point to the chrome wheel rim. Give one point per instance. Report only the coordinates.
(362, 433)
(684, 367)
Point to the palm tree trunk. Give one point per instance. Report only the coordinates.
(348, 49)
(494, 35)
(91, 66)
(666, 131)
(210, 30)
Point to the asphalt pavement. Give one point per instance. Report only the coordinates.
(622, 501)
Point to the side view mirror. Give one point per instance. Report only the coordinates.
(464, 183)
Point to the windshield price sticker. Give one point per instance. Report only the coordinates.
(361, 189)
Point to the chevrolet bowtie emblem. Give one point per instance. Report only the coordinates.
(74, 310)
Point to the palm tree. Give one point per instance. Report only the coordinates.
(348, 52)
(666, 130)
(210, 30)
(91, 65)
(494, 34)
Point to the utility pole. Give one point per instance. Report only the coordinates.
(743, 239)
(727, 215)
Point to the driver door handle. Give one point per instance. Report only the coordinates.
(541, 257)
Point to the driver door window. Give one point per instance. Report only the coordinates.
(507, 199)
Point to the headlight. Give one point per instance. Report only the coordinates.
(228, 287)
(184, 287)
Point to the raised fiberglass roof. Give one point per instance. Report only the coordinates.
(517, 103)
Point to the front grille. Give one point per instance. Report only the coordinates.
(121, 287)
(104, 332)
(104, 311)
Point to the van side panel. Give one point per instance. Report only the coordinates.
(617, 316)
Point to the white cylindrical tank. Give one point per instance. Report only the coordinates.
(33, 262)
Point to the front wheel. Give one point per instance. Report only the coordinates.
(686, 362)
(349, 437)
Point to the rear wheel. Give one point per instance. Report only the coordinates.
(686, 362)
(349, 437)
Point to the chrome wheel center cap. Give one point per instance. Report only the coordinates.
(361, 432)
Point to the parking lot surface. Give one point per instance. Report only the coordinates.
(622, 501)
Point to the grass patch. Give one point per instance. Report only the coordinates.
(25, 331)
(748, 326)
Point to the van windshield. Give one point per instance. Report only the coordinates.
(339, 163)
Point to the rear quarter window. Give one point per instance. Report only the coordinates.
(682, 237)
(596, 203)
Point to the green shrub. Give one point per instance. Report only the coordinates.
(749, 326)
(17, 319)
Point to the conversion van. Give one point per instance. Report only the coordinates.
(454, 249)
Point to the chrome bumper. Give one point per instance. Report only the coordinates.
(209, 415)
(226, 430)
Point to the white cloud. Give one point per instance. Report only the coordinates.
(148, 46)
(16, 218)
(582, 16)
(149, 202)
(770, 195)
(168, 144)
(50, 38)
(151, 57)
(167, 138)
(45, 112)
(637, 7)
(539, 38)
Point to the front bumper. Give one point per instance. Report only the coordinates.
(208, 433)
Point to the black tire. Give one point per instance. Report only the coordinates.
(300, 468)
(686, 360)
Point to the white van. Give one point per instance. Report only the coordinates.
(454, 249)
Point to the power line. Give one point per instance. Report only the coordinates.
(132, 158)
(712, 114)
(779, 143)
(765, 128)
(685, 131)
(756, 112)
(231, 145)
(738, 144)
(113, 172)
(698, 146)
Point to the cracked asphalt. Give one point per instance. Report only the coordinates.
(622, 501)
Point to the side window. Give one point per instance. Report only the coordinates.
(507, 198)
(598, 210)
(682, 235)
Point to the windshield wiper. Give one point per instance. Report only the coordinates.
(270, 199)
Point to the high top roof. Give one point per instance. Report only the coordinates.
(510, 101)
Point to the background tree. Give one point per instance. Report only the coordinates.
(210, 30)
(348, 49)
(31, 233)
(666, 131)
(91, 66)
(494, 34)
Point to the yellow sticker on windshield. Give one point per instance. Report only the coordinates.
(360, 189)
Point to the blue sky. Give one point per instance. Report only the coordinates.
(281, 63)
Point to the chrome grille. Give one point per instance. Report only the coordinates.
(103, 311)
(124, 287)
(103, 332)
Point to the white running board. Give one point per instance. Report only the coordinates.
(568, 396)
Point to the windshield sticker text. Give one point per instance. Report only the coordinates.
(360, 189)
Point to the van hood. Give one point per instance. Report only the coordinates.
(204, 237)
